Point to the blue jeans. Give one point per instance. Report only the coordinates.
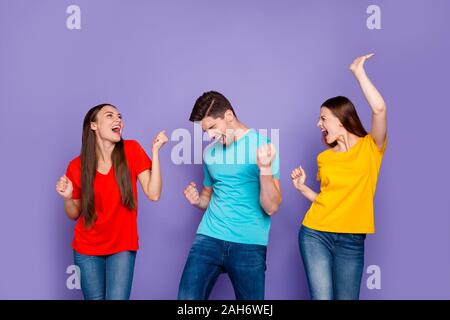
(209, 257)
(106, 277)
(333, 263)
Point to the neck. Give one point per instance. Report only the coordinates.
(346, 141)
(240, 130)
(104, 150)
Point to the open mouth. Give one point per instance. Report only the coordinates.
(324, 133)
(116, 129)
(219, 138)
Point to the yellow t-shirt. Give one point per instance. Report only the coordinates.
(347, 187)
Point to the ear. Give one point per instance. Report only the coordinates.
(93, 126)
(229, 116)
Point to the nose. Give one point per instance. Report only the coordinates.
(319, 123)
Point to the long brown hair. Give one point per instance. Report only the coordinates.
(89, 169)
(345, 111)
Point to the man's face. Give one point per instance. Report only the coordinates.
(219, 128)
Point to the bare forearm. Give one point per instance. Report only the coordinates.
(204, 202)
(154, 186)
(270, 195)
(307, 192)
(371, 93)
(72, 209)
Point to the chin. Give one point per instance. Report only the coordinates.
(116, 139)
(330, 141)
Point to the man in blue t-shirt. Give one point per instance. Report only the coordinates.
(241, 190)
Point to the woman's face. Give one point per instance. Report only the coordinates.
(108, 124)
(332, 129)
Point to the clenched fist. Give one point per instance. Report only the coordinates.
(159, 140)
(64, 187)
(264, 158)
(298, 177)
(191, 194)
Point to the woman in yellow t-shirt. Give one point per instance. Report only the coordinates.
(334, 229)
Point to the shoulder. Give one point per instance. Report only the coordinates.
(75, 163)
(260, 138)
(73, 171)
(324, 154)
(131, 143)
(132, 146)
(370, 141)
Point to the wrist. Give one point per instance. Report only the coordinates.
(199, 204)
(265, 171)
(359, 73)
(302, 188)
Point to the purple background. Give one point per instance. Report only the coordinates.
(277, 61)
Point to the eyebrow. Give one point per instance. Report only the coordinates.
(110, 112)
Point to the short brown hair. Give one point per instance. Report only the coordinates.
(212, 104)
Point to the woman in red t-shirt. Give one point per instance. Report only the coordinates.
(99, 191)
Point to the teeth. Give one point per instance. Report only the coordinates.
(116, 129)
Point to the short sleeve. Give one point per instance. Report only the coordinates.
(207, 180)
(141, 160)
(73, 173)
(318, 175)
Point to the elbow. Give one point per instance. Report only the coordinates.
(153, 197)
(73, 216)
(271, 211)
(273, 208)
(379, 109)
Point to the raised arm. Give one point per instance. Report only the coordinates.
(374, 98)
(270, 193)
(151, 181)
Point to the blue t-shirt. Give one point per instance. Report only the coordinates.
(234, 212)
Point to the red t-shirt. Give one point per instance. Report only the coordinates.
(116, 227)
